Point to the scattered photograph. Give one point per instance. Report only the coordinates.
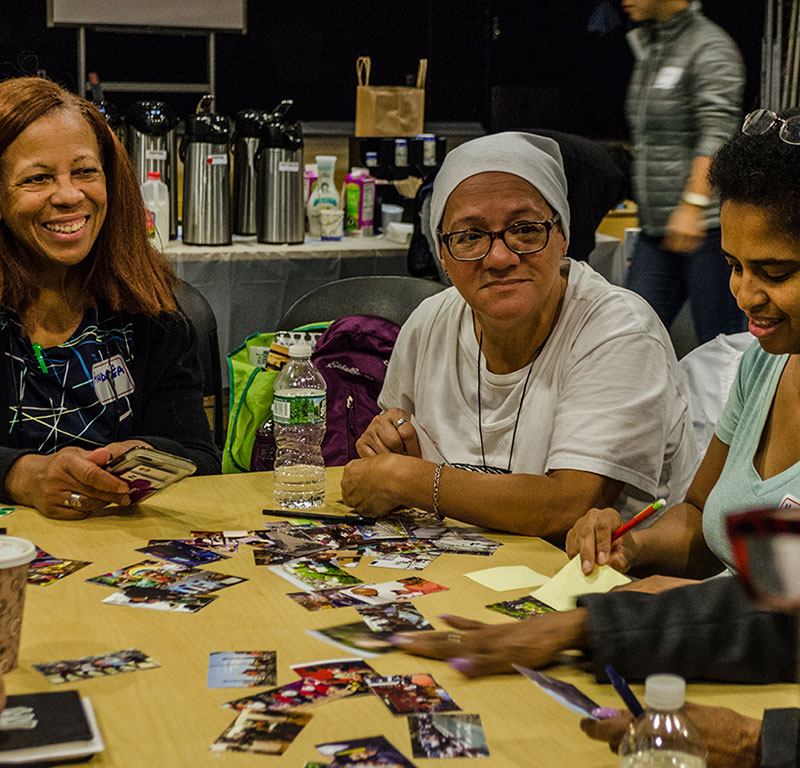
(522, 607)
(356, 638)
(406, 694)
(179, 552)
(375, 752)
(393, 591)
(45, 569)
(387, 547)
(298, 695)
(291, 541)
(393, 617)
(265, 557)
(406, 561)
(466, 543)
(457, 735)
(148, 573)
(203, 582)
(347, 673)
(159, 600)
(88, 667)
(265, 733)
(324, 599)
(382, 529)
(565, 694)
(221, 542)
(241, 669)
(312, 574)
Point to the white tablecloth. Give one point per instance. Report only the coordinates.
(250, 285)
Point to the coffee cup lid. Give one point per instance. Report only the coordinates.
(15, 551)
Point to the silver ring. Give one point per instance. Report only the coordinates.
(75, 501)
(455, 636)
(400, 422)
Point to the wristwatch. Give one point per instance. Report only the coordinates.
(695, 198)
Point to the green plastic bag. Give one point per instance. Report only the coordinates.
(251, 389)
(250, 403)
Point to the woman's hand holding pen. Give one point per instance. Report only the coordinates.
(591, 538)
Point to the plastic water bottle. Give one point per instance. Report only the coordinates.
(262, 457)
(298, 411)
(156, 202)
(663, 735)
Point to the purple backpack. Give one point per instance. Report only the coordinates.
(352, 355)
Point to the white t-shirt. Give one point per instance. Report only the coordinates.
(605, 394)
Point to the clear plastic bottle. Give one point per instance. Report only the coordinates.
(663, 735)
(298, 412)
(156, 202)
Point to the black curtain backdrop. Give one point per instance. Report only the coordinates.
(492, 61)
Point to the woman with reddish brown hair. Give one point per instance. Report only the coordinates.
(96, 355)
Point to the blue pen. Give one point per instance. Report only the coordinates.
(626, 694)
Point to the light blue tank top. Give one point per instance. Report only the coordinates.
(740, 427)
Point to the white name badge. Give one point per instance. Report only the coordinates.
(288, 166)
(668, 77)
(789, 502)
(155, 154)
(111, 379)
(216, 159)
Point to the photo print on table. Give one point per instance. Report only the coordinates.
(374, 751)
(45, 569)
(88, 667)
(264, 733)
(159, 600)
(311, 573)
(408, 694)
(443, 736)
(393, 617)
(180, 552)
(393, 591)
(241, 669)
(355, 637)
(521, 608)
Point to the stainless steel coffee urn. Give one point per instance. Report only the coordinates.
(151, 142)
(249, 125)
(279, 199)
(206, 180)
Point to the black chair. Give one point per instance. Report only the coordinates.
(391, 296)
(199, 312)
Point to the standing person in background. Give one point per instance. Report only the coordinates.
(684, 101)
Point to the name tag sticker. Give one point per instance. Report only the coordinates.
(789, 502)
(111, 379)
(668, 77)
(216, 159)
(288, 166)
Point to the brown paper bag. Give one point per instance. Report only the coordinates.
(389, 110)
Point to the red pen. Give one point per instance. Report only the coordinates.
(636, 519)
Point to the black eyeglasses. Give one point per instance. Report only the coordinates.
(762, 120)
(522, 238)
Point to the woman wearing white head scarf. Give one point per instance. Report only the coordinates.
(561, 390)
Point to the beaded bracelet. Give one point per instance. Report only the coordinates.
(436, 478)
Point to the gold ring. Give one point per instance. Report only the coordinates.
(455, 636)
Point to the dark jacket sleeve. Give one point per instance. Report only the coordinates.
(779, 744)
(707, 631)
(168, 408)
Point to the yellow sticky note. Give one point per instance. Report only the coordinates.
(506, 577)
(563, 590)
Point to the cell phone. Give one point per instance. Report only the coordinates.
(147, 471)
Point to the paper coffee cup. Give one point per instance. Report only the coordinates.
(15, 555)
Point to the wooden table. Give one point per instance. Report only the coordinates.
(167, 717)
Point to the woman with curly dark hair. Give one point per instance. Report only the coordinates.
(96, 355)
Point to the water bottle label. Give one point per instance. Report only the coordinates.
(287, 166)
(299, 409)
(155, 154)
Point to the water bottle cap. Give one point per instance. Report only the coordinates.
(300, 350)
(664, 692)
(154, 175)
